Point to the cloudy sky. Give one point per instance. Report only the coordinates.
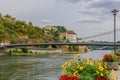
(85, 17)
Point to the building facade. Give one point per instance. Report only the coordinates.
(69, 35)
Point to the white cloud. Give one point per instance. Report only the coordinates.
(89, 19)
(70, 1)
(45, 22)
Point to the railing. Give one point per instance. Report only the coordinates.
(57, 44)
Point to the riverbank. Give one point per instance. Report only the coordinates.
(37, 51)
(1, 54)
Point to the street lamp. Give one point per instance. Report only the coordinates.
(114, 11)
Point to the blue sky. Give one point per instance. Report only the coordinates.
(85, 17)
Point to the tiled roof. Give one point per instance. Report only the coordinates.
(71, 32)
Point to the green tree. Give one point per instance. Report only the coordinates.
(61, 28)
(13, 41)
(30, 24)
(7, 16)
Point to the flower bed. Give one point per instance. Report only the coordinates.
(86, 69)
(118, 54)
(111, 60)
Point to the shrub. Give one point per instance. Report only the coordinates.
(110, 58)
(25, 50)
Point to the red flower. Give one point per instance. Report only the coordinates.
(65, 77)
(97, 78)
(101, 79)
(106, 56)
(118, 57)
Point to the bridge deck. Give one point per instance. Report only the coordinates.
(76, 44)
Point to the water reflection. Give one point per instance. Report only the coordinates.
(96, 54)
(40, 67)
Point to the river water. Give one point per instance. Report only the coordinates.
(38, 67)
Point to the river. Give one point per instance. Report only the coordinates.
(38, 67)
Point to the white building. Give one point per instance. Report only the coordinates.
(71, 36)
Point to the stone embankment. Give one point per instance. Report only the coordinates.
(46, 50)
(82, 49)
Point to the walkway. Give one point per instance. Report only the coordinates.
(117, 73)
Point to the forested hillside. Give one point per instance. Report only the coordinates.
(17, 31)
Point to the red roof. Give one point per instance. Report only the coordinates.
(71, 32)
